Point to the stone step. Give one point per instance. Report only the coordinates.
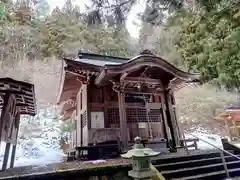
(193, 171)
(217, 175)
(173, 159)
(193, 163)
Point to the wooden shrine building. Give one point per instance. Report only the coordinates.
(17, 98)
(109, 98)
(230, 118)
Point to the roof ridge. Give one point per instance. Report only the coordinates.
(101, 57)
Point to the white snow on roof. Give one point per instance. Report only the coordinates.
(97, 62)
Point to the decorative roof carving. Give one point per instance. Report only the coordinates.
(146, 51)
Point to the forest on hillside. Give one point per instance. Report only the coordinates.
(201, 36)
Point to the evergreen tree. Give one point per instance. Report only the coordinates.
(210, 42)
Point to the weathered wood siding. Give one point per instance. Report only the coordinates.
(99, 114)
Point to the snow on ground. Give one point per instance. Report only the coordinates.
(38, 142)
(206, 139)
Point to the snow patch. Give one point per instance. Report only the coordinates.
(209, 138)
(98, 161)
(38, 142)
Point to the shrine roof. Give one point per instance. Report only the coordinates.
(69, 87)
(156, 66)
(103, 63)
(232, 108)
(99, 60)
(24, 93)
(104, 69)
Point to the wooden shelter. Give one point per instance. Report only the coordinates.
(109, 98)
(230, 117)
(16, 98)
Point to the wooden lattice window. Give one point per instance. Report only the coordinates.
(135, 115)
(131, 114)
(142, 115)
(155, 115)
(84, 119)
(113, 118)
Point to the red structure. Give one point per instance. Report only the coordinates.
(109, 97)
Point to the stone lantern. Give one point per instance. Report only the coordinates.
(141, 160)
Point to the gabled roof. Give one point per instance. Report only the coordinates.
(232, 108)
(99, 60)
(147, 60)
(105, 68)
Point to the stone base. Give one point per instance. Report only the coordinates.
(141, 175)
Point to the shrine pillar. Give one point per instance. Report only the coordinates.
(123, 120)
(6, 155)
(172, 120)
(15, 136)
(165, 118)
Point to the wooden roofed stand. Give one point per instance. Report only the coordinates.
(111, 98)
(17, 98)
(230, 118)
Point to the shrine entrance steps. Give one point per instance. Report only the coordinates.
(199, 166)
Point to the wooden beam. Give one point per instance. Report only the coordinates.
(171, 120)
(176, 128)
(14, 147)
(165, 120)
(123, 120)
(24, 97)
(4, 112)
(16, 92)
(143, 81)
(105, 95)
(9, 118)
(75, 73)
(147, 93)
(17, 122)
(155, 90)
(81, 71)
(6, 155)
(123, 76)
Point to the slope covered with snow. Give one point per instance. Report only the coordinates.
(206, 140)
(38, 141)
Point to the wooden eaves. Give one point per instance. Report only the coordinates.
(24, 93)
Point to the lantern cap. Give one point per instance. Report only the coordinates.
(139, 150)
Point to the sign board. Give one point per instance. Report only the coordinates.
(142, 125)
(97, 120)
